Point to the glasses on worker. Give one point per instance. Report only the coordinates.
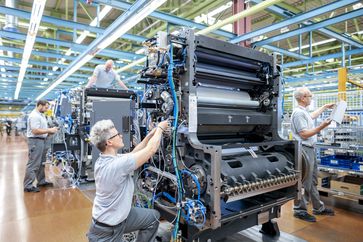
(308, 95)
(118, 134)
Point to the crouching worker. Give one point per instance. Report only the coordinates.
(112, 213)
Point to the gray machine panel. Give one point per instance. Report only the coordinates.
(119, 111)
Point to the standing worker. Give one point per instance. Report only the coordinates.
(37, 132)
(303, 129)
(104, 75)
(8, 124)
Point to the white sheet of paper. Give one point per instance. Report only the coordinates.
(337, 114)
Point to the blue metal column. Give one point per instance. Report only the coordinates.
(343, 55)
(98, 17)
(300, 42)
(311, 48)
(75, 5)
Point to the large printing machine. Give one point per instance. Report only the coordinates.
(223, 167)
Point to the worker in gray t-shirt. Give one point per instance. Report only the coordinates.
(37, 132)
(104, 76)
(112, 212)
(304, 130)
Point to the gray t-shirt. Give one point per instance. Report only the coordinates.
(114, 188)
(301, 120)
(36, 120)
(104, 78)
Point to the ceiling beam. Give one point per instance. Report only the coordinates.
(285, 52)
(312, 27)
(42, 63)
(75, 47)
(293, 20)
(64, 23)
(287, 14)
(322, 58)
(47, 54)
(16, 68)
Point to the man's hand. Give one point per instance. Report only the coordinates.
(326, 123)
(329, 105)
(52, 130)
(164, 125)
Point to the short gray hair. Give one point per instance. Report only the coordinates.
(100, 133)
(110, 61)
(300, 92)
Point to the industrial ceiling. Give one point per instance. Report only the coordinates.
(333, 29)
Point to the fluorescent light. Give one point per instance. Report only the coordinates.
(101, 15)
(357, 6)
(36, 16)
(208, 18)
(82, 37)
(140, 51)
(314, 44)
(137, 62)
(130, 23)
(284, 29)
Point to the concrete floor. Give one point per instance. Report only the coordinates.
(64, 214)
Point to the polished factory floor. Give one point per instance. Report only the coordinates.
(63, 215)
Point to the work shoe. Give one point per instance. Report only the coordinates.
(45, 184)
(326, 211)
(304, 216)
(32, 189)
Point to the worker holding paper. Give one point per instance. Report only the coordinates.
(304, 130)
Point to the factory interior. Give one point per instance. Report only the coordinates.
(181, 120)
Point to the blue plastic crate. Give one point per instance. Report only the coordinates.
(357, 166)
(339, 161)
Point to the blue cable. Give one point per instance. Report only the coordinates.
(175, 125)
(195, 179)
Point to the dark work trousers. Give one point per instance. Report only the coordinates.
(144, 220)
(35, 167)
(310, 184)
(47, 145)
(8, 130)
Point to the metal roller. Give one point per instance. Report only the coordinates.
(228, 62)
(222, 97)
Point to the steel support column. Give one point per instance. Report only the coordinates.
(243, 25)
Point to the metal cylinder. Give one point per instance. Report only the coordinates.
(208, 96)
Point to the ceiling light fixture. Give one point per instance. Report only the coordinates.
(129, 22)
(36, 16)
